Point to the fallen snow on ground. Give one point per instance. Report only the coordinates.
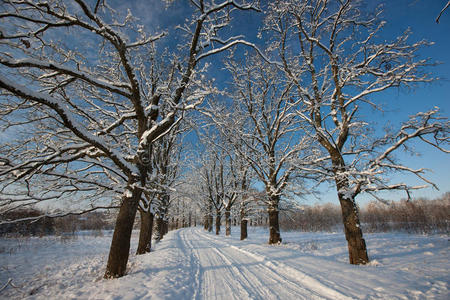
(193, 264)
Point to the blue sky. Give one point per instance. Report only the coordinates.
(419, 16)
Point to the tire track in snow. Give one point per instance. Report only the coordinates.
(194, 261)
(294, 290)
(208, 273)
(289, 272)
(257, 273)
(255, 285)
(270, 278)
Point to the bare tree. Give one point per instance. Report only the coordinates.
(239, 171)
(233, 171)
(165, 166)
(166, 153)
(330, 52)
(88, 108)
(214, 179)
(263, 123)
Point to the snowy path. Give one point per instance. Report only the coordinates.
(193, 264)
(224, 271)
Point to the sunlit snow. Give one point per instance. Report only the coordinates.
(193, 264)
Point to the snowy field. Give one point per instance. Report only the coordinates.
(193, 264)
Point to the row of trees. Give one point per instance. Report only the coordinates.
(412, 216)
(98, 121)
(96, 220)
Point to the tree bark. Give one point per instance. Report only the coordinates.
(274, 226)
(165, 227)
(218, 220)
(205, 222)
(159, 230)
(357, 250)
(227, 221)
(244, 223)
(145, 234)
(244, 229)
(210, 222)
(120, 244)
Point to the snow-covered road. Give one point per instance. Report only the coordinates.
(193, 264)
(225, 271)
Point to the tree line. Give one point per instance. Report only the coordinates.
(48, 226)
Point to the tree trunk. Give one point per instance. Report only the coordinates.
(244, 222)
(165, 227)
(227, 221)
(244, 229)
(206, 222)
(274, 226)
(145, 234)
(159, 229)
(357, 250)
(120, 244)
(218, 220)
(210, 222)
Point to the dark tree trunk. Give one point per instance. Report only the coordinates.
(159, 229)
(243, 223)
(218, 220)
(206, 222)
(145, 234)
(120, 244)
(165, 227)
(274, 226)
(210, 222)
(243, 229)
(227, 221)
(357, 250)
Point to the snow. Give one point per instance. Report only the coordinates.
(193, 264)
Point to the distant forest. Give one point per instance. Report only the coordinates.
(413, 216)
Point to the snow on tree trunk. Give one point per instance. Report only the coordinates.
(244, 222)
(227, 222)
(120, 244)
(357, 250)
(145, 233)
(274, 226)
